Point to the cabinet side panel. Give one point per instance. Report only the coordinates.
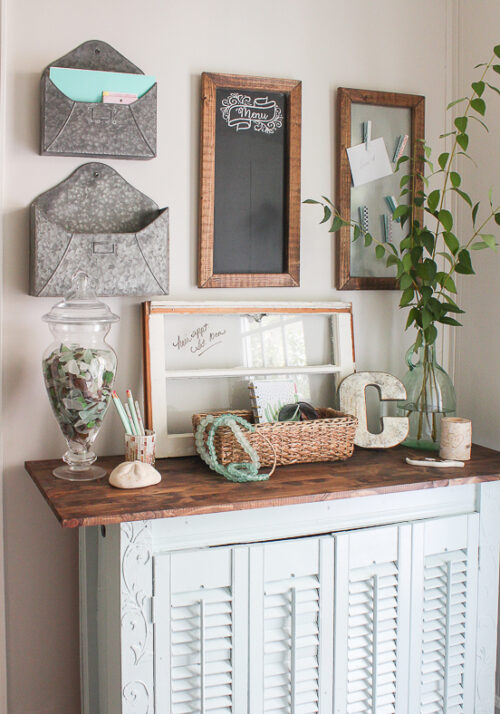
(89, 670)
(108, 620)
(489, 536)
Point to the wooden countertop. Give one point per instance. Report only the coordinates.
(188, 487)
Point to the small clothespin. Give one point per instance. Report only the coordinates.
(392, 205)
(367, 133)
(400, 147)
(363, 218)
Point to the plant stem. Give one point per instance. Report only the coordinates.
(436, 390)
(428, 388)
(421, 403)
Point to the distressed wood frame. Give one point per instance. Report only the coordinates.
(206, 276)
(345, 97)
(155, 374)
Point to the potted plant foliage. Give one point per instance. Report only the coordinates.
(430, 255)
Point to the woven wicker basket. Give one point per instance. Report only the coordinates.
(329, 438)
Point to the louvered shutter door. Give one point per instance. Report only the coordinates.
(372, 596)
(291, 619)
(445, 563)
(201, 606)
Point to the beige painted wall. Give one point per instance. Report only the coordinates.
(3, 664)
(387, 45)
(478, 344)
(477, 378)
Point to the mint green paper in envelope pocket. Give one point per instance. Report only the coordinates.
(83, 85)
(74, 120)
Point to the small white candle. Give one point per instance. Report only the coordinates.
(456, 438)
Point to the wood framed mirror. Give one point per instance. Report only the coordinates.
(399, 120)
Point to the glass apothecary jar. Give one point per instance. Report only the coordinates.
(79, 370)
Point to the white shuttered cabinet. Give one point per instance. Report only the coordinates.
(380, 619)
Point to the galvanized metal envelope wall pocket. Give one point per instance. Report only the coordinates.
(96, 221)
(79, 128)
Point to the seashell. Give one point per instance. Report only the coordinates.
(134, 474)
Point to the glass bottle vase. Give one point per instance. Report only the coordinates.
(430, 395)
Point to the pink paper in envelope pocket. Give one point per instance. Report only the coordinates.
(118, 98)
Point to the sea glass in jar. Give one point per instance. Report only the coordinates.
(79, 369)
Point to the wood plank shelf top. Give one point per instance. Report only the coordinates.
(188, 487)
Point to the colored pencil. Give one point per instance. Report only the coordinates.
(127, 410)
(121, 412)
(139, 418)
(130, 400)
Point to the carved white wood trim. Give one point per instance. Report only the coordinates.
(136, 588)
(487, 605)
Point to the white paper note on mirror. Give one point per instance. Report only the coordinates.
(369, 164)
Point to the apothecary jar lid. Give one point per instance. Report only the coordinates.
(81, 306)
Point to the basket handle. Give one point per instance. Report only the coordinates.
(266, 438)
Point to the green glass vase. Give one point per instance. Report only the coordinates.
(430, 396)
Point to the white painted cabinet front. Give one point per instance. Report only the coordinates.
(375, 620)
(245, 619)
(372, 618)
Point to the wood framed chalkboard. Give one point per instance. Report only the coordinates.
(249, 213)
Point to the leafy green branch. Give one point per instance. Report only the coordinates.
(426, 290)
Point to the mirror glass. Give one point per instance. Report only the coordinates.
(368, 201)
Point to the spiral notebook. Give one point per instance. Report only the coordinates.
(268, 396)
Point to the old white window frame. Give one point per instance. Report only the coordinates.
(157, 373)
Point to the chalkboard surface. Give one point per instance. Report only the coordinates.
(250, 213)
